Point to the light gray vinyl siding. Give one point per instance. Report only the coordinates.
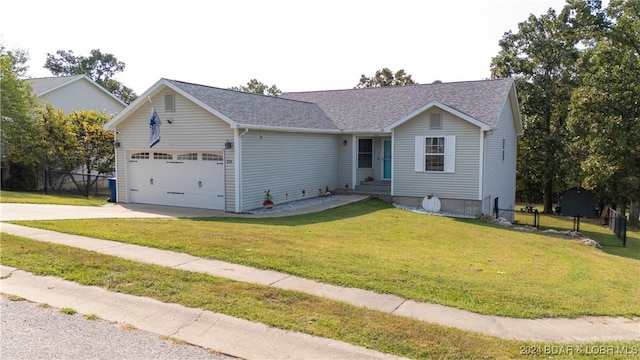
(192, 128)
(286, 163)
(82, 95)
(345, 160)
(229, 180)
(500, 176)
(461, 184)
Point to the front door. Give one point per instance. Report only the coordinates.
(386, 159)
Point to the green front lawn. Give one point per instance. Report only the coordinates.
(284, 309)
(56, 199)
(370, 245)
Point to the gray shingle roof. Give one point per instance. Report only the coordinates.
(370, 109)
(259, 110)
(375, 108)
(43, 85)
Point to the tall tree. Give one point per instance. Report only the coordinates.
(541, 58)
(99, 67)
(257, 87)
(17, 119)
(605, 108)
(385, 77)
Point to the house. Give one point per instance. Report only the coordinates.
(223, 149)
(78, 92)
(75, 93)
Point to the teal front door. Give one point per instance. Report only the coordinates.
(386, 159)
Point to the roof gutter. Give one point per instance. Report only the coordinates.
(247, 127)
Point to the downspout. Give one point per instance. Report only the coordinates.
(238, 173)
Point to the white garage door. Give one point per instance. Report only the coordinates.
(186, 178)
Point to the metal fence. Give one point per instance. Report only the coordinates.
(532, 217)
(617, 223)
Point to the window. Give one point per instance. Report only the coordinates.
(142, 155)
(365, 153)
(162, 156)
(169, 102)
(435, 154)
(211, 157)
(436, 122)
(189, 156)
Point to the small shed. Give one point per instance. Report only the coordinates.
(578, 201)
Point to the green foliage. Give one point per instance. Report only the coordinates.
(605, 112)
(68, 311)
(385, 77)
(99, 67)
(541, 57)
(257, 87)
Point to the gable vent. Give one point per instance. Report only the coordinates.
(436, 122)
(169, 102)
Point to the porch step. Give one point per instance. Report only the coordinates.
(376, 189)
(377, 186)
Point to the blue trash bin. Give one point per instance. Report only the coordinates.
(112, 187)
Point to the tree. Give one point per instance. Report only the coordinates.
(56, 146)
(605, 108)
(257, 87)
(541, 58)
(99, 67)
(17, 129)
(385, 77)
(93, 152)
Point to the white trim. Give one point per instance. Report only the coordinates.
(286, 129)
(237, 139)
(354, 160)
(483, 139)
(450, 154)
(156, 89)
(446, 108)
(393, 161)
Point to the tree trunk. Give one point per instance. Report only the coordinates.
(548, 197)
(634, 214)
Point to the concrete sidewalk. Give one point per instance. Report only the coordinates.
(556, 330)
(226, 334)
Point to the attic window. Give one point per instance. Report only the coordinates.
(169, 102)
(436, 122)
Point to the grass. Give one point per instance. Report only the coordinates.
(56, 199)
(284, 309)
(467, 264)
(68, 311)
(591, 229)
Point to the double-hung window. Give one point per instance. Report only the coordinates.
(435, 154)
(365, 153)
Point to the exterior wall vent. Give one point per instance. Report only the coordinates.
(169, 102)
(436, 122)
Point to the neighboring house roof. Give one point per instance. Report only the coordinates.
(377, 108)
(353, 110)
(43, 86)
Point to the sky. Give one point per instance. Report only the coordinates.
(295, 45)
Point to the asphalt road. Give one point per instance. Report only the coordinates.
(31, 332)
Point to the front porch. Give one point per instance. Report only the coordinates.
(376, 189)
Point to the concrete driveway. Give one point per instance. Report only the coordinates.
(11, 212)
